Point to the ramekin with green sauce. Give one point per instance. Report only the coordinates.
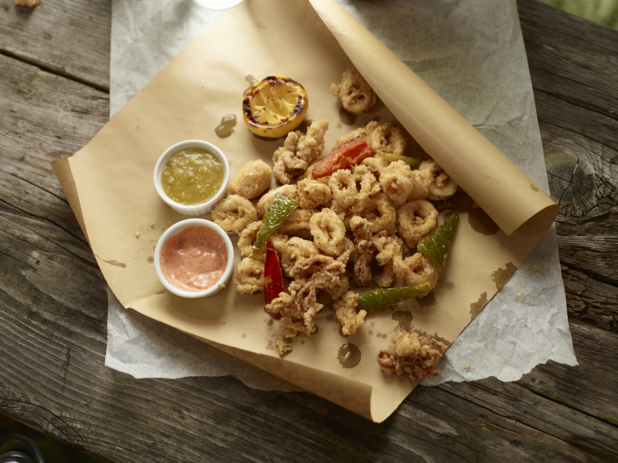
(192, 176)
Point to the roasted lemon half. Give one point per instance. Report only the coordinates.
(275, 106)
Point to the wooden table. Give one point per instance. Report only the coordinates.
(54, 96)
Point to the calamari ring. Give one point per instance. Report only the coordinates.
(328, 232)
(416, 270)
(293, 251)
(397, 181)
(388, 138)
(234, 213)
(441, 186)
(313, 193)
(343, 188)
(381, 214)
(354, 93)
(368, 184)
(375, 164)
(249, 276)
(247, 238)
(417, 219)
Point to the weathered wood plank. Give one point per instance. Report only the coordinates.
(52, 339)
(574, 70)
(64, 389)
(44, 116)
(70, 38)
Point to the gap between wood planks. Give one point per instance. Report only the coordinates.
(53, 70)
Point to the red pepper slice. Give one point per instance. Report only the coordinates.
(343, 157)
(273, 278)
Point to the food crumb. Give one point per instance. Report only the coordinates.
(137, 234)
(27, 2)
(484, 346)
(467, 368)
(537, 382)
(283, 350)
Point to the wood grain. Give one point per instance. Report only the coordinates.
(53, 304)
(68, 37)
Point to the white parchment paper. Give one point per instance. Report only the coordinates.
(472, 54)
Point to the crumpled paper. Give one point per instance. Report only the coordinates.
(472, 54)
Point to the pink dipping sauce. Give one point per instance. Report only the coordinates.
(194, 259)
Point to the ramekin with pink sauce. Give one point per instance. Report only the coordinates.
(194, 258)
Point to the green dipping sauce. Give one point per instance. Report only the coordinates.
(192, 176)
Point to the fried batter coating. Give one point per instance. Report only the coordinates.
(313, 193)
(277, 306)
(368, 184)
(299, 315)
(293, 251)
(287, 164)
(297, 223)
(364, 248)
(283, 350)
(440, 185)
(417, 270)
(265, 201)
(412, 355)
(234, 213)
(363, 132)
(387, 277)
(417, 219)
(388, 247)
(354, 93)
(420, 190)
(388, 138)
(309, 174)
(381, 214)
(397, 181)
(247, 238)
(343, 188)
(328, 232)
(375, 164)
(252, 179)
(299, 151)
(344, 214)
(249, 276)
(345, 309)
(311, 145)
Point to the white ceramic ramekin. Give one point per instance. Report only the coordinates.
(198, 209)
(177, 228)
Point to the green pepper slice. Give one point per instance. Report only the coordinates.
(380, 298)
(281, 207)
(435, 245)
(414, 163)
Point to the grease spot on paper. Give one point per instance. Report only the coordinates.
(502, 275)
(349, 355)
(115, 263)
(477, 218)
(476, 307)
(428, 300)
(347, 118)
(404, 318)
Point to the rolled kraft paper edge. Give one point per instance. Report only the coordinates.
(497, 185)
(347, 393)
(62, 170)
